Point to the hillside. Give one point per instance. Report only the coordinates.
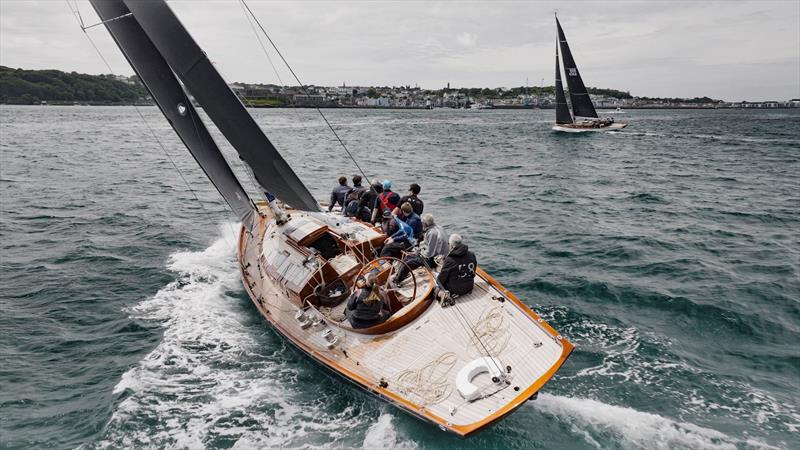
(27, 87)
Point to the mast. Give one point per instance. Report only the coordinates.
(562, 109)
(193, 68)
(581, 103)
(165, 89)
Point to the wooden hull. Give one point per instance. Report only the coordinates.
(377, 363)
(578, 129)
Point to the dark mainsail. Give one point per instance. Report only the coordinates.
(581, 103)
(202, 80)
(170, 97)
(562, 109)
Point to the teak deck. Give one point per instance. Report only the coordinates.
(413, 366)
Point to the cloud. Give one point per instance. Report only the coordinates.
(466, 39)
(734, 51)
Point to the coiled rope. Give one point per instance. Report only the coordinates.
(492, 330)
(430, 382)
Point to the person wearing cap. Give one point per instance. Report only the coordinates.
(412, 197)
(338, 193)
(387, 201)
(457, 276)
(433, 247)
(388, 224)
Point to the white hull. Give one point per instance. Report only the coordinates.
(612, 127)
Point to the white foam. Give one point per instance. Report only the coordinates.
(209, 379)
(636, 429)
(382, 434)
(624, 361)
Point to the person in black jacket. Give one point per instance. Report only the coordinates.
(368, 200)
(412, 197)
(365, 306)
(338, 193)
(457, 276)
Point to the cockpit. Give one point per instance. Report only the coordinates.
(318, 261)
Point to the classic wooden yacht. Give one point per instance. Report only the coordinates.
(585, 119)
(461, 367)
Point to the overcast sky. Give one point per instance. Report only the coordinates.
(730, 50)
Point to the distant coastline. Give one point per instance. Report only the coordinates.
(421, 108)
(57, 88)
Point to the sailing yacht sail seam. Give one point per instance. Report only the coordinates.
(202, 56)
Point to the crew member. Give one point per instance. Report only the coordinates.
(365, 305)
(412, 197)
(457, 276)
(338, 193)
(409, 229)
(387, 201)
(368, 200)
(434, 246)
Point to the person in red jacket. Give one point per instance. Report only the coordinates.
(386, 201)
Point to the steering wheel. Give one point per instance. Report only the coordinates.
(377, 262)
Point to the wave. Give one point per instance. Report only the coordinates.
(595, 421)
(646, 197)
(383, 434)
(213, 381)
(218, 380)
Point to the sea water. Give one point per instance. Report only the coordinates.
(667, 253)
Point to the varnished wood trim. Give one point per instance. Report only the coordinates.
(373, 386)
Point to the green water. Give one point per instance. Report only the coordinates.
(668, 253)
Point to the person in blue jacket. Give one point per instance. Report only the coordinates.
(409, 229)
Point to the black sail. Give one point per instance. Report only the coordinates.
(203, 81)
(581, 103)
(562, 109)
(170, 97)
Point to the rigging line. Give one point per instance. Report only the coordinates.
(138, 111)
(269, 58)
(468, 326)
(107, 21)
(249, 173)
(77, 13)
(302, 86)
(496, 362)
(197, 133)
(260, 43)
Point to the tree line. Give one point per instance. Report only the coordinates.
(28, 87)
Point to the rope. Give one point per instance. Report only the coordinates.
(493, 331)
(430, 382)
(466, 323)
(274, 69)
(302, 86)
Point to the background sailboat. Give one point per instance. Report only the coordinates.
(582, 105)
